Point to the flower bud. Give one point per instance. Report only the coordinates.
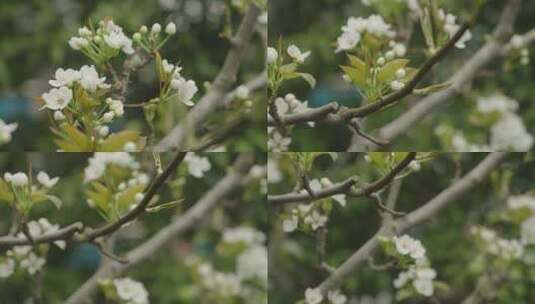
(103, 131)
(143, 29)
(156, 29)
(400, 73)
(138, 197)
(381, 60)
(59, 116)
(8, 177)
(325, 182)
(129, 147)
(390, 55)
(272, 55)
(397, 85)
(19, 179)
(242, 92)
(108, 117)
(137, 37)
(170, 29)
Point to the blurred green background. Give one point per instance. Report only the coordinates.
(164, 275)
(450, 247)
(315, 25)
(33, 44)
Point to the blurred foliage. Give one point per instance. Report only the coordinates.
(165, 273)
(316, 27)
(450, 248)
(33, 44)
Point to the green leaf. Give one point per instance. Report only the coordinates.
(357, 63)
(432, 88)
(5, 192)
(388, 72)
(357, 76)
(288, 68)
(116, 142)
(74, 140)
(308, 78)
(127, 197)
(55, 200)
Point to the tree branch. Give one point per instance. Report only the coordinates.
(176, 139)
(449, 195)
(211, 199)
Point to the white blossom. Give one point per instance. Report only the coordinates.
(57, 99)
(116, 106)
(116, 39)
(242, 92)
(90, 80)
(65, 78)
(253, 263)
(156, 29)
(521, 201)
(451, 28)
(315, 220)
(99, 161)
(423, 287)
(510, 134)
(77, 43)
(336, 297)
(313, 296)
(32, 263)
(242, 234)
(272, 55)
(45, 180)
(59, 116)
(7, 267)
(170, 29)
(355, 27)
(527, 229)
(131, 291)
(6, 130)
(496, 103)
(197, 165)
(278, 143)
(406, 245)
(19, 179)
(186, 89)
(289, 225)
(296, 53)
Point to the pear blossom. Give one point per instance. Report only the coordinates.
(99, 162)
(59, 116)
(406, 245)
(77, 43)
(57, 99)
(116, 106)
(197, 165)
(289, 225)
(32, 263)
(45, 180)
(7, 267)
(253, 263)
(18, 179)
(116, 39)
(65, 78)
(296, 53)
(272, 55)
(397, 85)
(521, 201)
(355, 27)
(336, 297)
(243, 234)
(108, 117)
(90, 80)
(186, 89)
(527, 229)
(156, 29)
(315, 220)
(131, 291)
(278, 143)
(170, 29)
(451, 28)
(510, 134)
(496, 103)
(423, 287)
(313, 296)
(6, 130)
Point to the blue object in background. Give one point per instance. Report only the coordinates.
(13, 106)
(84, 257)
(322, 95)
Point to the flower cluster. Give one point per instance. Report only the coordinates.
(116, 183)
(507, 130)
(451, 28)
(15, 189)
(124, 291)
(130, 291)
(29, 259)
(104, 43)
(355, 28)
(314, 296)
(287, 105)
(497, 246)
(249, 279)
(5, 131)
(421, 277)
(522, 211)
